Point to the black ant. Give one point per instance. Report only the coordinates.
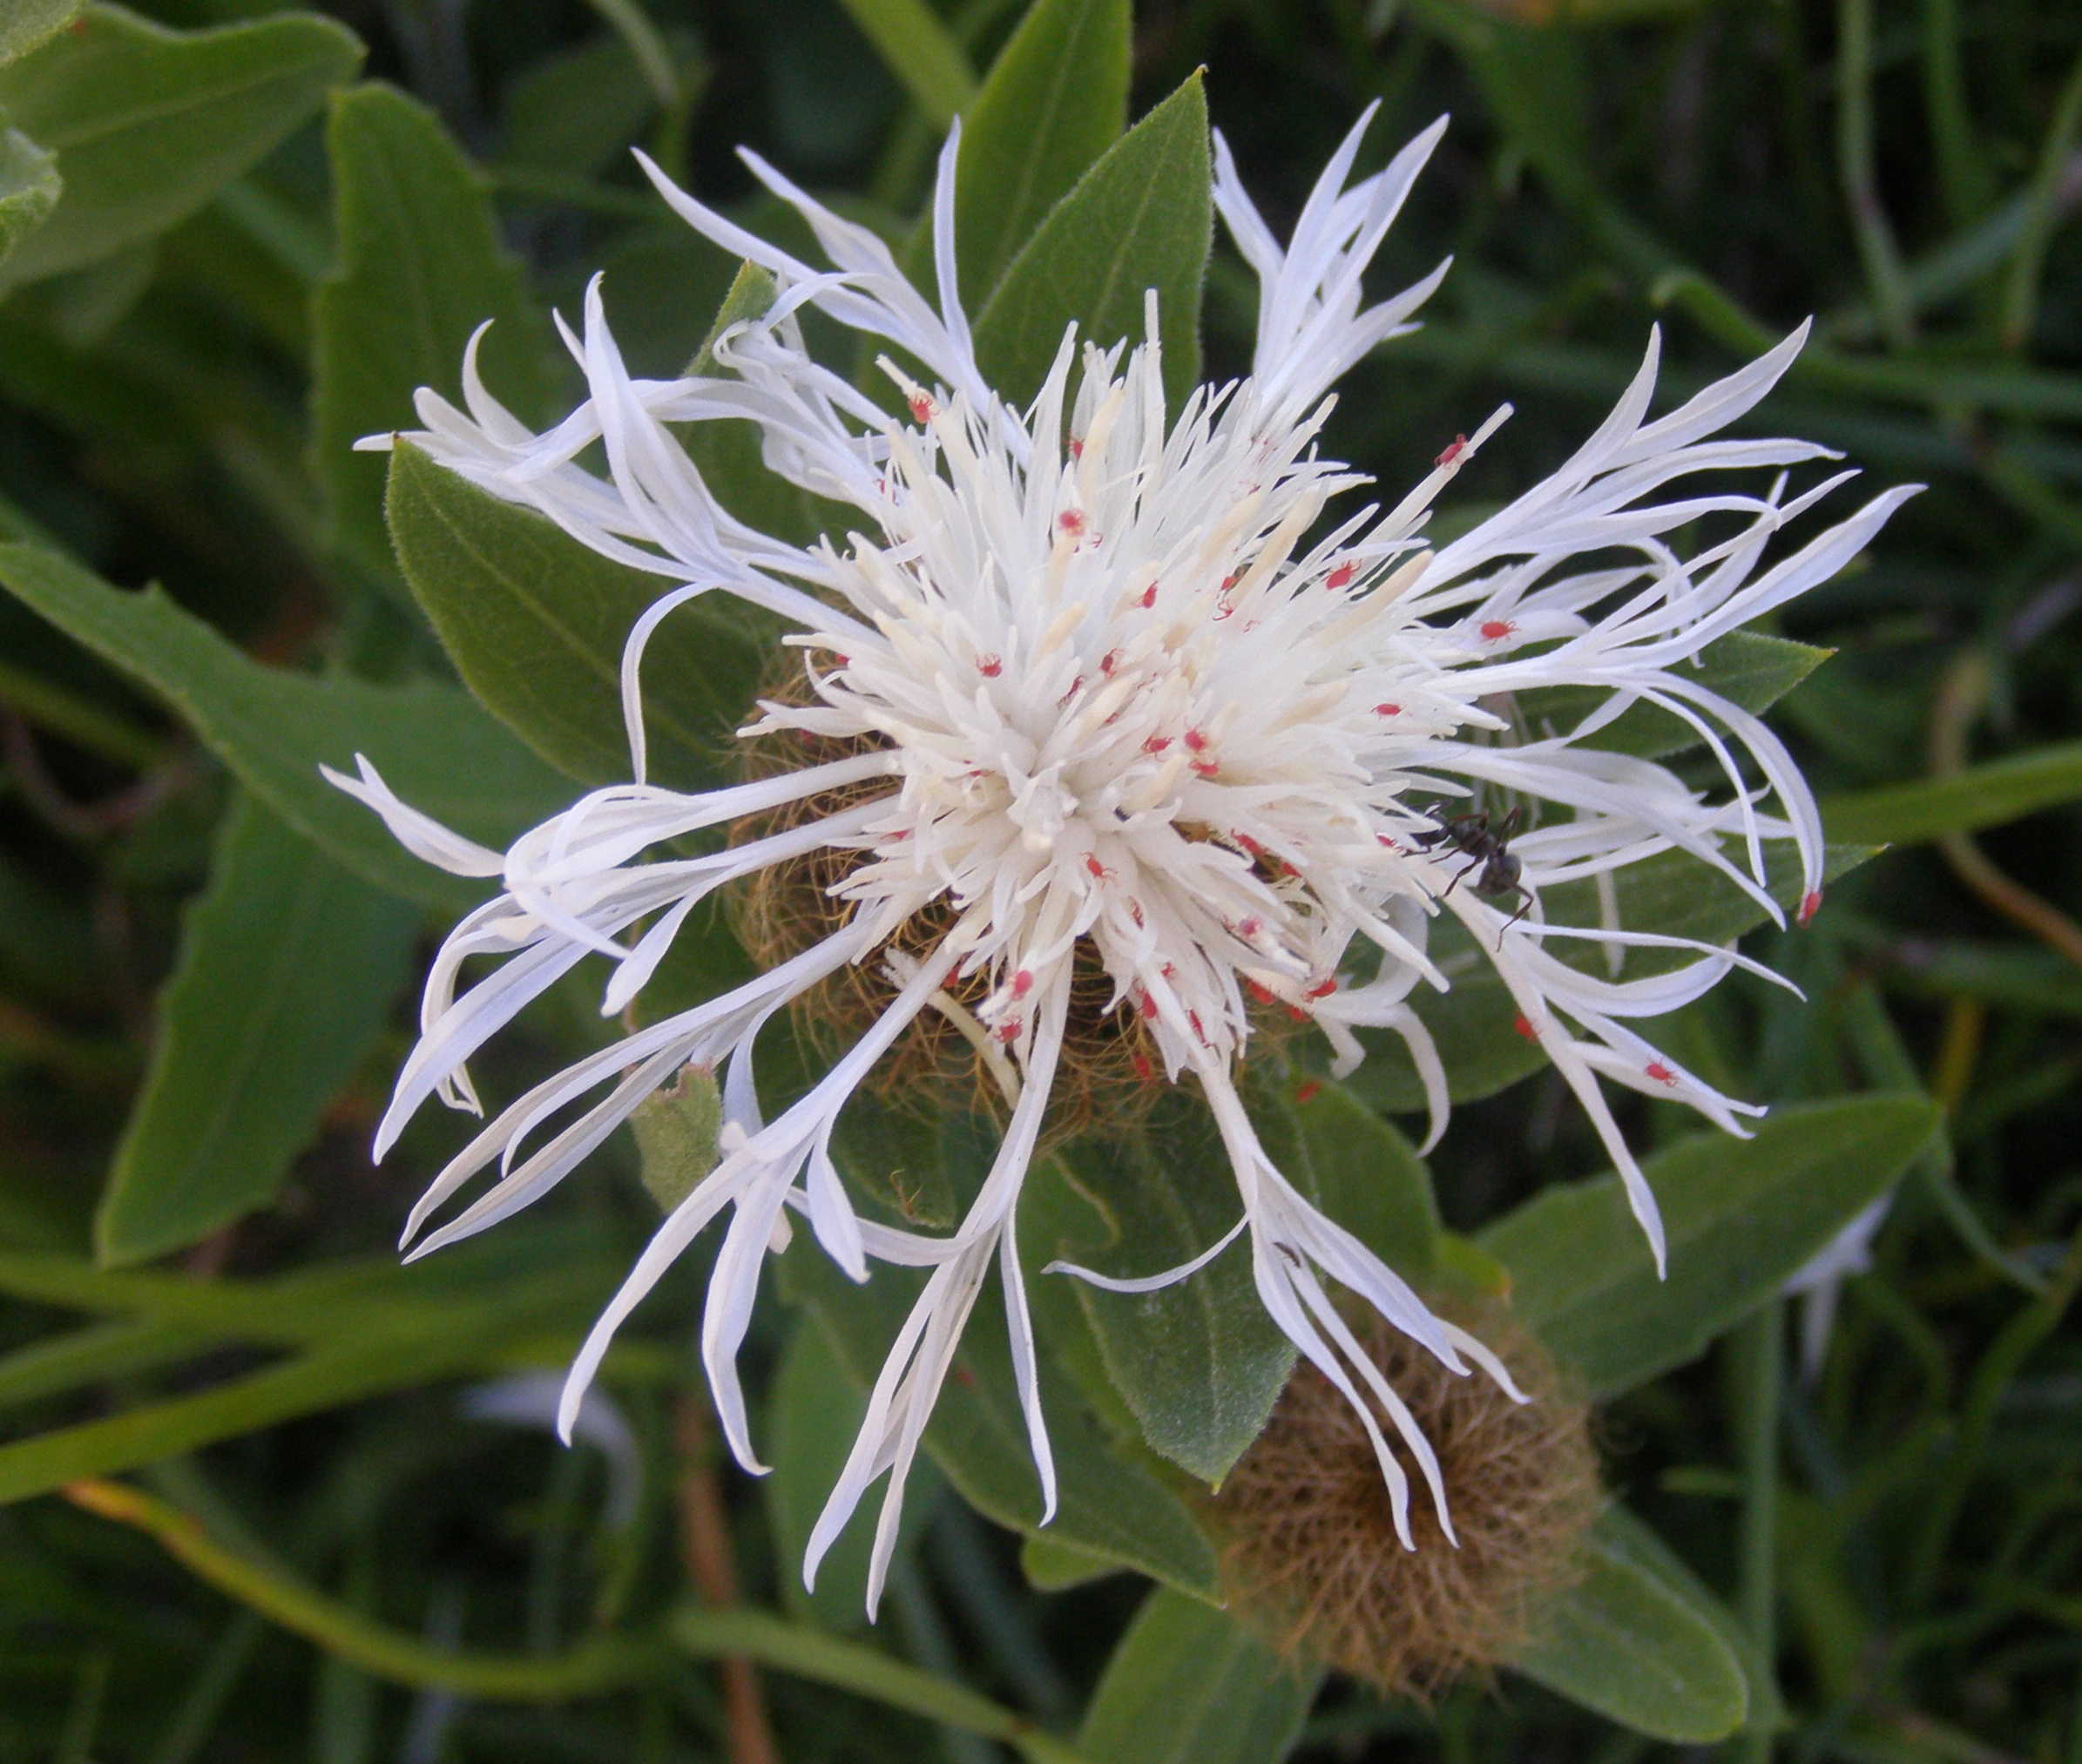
(1494, 866)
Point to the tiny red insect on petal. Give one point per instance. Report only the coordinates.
(1070, 521)
(1452, 453)
(1383, 839)
(1342, 576)
(1810, 906)
(1660, 1072)
(1249, 928)
(1309, 1092)
(990, 665)
(1093, 867)
(1076, 447)
(1023, 984)
(1230, 581)
(1195, 742)
(1263, 994)
(1192, 1020)
(1008, 1031)
(1495, 630)
(1156, 744)
(1523, 1025)
(1147, 1006)
(1108, 662)
(1206, 768)
(1149, 595)
(1322, 989)
(1076, 686)
(1387, 710)
(1248, 844)
(922, 409)
(841, 661)
(1297, 1013)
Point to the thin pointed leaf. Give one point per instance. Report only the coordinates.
(288, 965)
(1742, 1216)
(421, 266)
(274, 728)
(149, 123)
(536, 625)
(1141, 218)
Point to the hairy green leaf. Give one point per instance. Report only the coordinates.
(535, 624)
(1641, 1642)
(1189, 1685)
(1108, 1507)
(1746, 667)
(274, 728)
(27, 23)
(1742, 1216)
(1055, 99)
(148, 123)
(1198, 1362)
(421, 266)
(29, 188)
(811, 1388)
(1141, 218)
(288, 965)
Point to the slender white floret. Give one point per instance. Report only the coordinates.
(1101, 687)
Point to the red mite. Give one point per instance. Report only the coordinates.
(1810, 906)
(1495, 630)
(1660, 1072)
(1452, 453)
(922, 409)
(1523, 1025)
(1309, 1092)
(990, 665)
(1342, 576)
(1149, 595)
(1094, 868)
(1023, 984)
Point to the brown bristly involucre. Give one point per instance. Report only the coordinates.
(1311, 1557)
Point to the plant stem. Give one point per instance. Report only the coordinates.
(1758, 1349)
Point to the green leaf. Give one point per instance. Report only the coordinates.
(921, 51)
(535, 624)
(809, 1451)
(29, 188)
(1742, 1216)
(274, 728)
(1055, 99)
(1199, 1363)
(1051, 1566)
(1189, 1685)
(1107, 1507)
(1141, 218)
(27, 23)
(1641, 1642)
(421, 267)
(1746, 667)
(675, 1130)
(359, 1332)
(1475, 1024)
(574, 114)
(288, 965)
(1369, 1178)
(2003, 790)
(148, 123)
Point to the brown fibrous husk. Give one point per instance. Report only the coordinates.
(1311, 1557)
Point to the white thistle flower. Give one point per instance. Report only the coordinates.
(1100, 679)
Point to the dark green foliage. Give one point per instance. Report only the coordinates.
(221, 261)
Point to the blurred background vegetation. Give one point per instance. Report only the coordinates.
(1905, 1518)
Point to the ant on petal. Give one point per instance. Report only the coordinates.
(1492, 862)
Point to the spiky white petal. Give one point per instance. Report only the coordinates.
(1111, 678)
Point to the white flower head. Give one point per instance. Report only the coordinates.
(1100, 686)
